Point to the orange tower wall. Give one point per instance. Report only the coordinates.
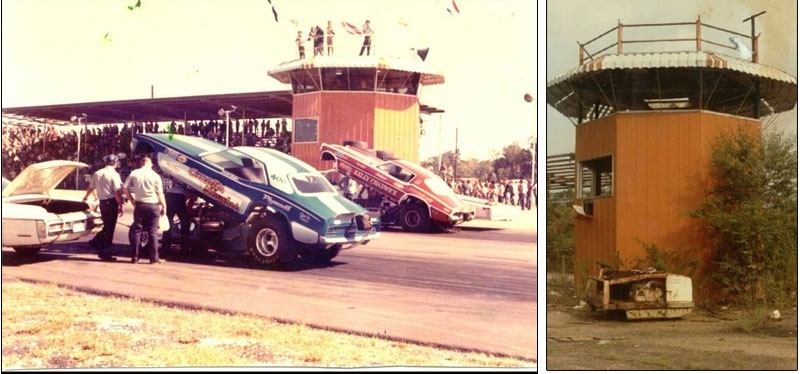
(385, 121)
(661, 162)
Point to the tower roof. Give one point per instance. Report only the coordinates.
(429, 74)
(672, 80)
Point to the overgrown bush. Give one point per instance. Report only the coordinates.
(560, 232)
(750, 215)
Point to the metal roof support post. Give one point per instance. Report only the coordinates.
(753, 36)
(755, 49)
(619, 37)
(698, 27)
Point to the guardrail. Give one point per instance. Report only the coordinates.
(699, 39)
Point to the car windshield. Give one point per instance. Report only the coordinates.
(310, 183)
(439, 187)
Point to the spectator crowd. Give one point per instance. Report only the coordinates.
(517, 192)
(23, 145)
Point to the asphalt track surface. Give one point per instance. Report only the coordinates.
(474, 289)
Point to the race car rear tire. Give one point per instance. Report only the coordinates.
(27, 251)
(415, 218)
(268, 242)
(385, 155)
(356, 144)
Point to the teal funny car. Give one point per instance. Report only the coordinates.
(264, 202)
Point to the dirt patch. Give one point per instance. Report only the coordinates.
(578, 339)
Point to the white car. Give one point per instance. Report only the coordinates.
(36, 214)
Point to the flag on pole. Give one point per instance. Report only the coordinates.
(134, 6)
(453, 8)
(351, 28)
(274, 12)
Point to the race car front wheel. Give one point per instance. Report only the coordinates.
(268, 242)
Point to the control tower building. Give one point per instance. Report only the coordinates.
(645, 124)
(360, 98)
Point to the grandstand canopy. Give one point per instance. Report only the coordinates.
(268, 104)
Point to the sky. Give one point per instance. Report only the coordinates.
(571, 21)
(74, 51)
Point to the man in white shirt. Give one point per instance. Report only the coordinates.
(107, 183)
(149, 204)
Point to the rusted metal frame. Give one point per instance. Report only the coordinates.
(713, 89)
(580, 101)
(700, 99)
(744, 98)
(602, 91)
(725, 30)
(621, 304)
(660, 24)
(636, 278)
(319, 77)
(613, 93)
(659, 40)
(581, 46)
(719, 44)
(698, 33)
(591, 55)
(658, 82)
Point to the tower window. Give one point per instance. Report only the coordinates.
(595, 177)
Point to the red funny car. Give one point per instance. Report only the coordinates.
(405, 193)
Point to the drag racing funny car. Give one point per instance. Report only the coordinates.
(405, 193)
(274, 206)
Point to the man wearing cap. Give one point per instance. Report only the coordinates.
(108, 185)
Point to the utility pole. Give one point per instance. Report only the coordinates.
(80, 134)
(535, 151)
(455, 158)
(227, 114)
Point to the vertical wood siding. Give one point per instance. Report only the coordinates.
(385, 121)
(661, 165)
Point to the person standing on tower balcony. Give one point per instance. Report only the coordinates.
(329, 38)
(367, 31)
(319, 39)
(300, 48)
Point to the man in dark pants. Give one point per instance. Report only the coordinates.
(367, 31)
(179, 200)
(108, 186)
(146, 185)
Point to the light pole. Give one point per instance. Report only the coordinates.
(227, 114)
(535, 150)
(79, 119)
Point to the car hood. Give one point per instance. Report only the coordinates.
(41, 178)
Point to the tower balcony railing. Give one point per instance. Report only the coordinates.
(631, 38)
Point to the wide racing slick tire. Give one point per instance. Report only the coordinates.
(326, 255)
(319, 255)
(356, 144)
(27, 251)
(268, 242)
(415, 218)
(385, 155)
